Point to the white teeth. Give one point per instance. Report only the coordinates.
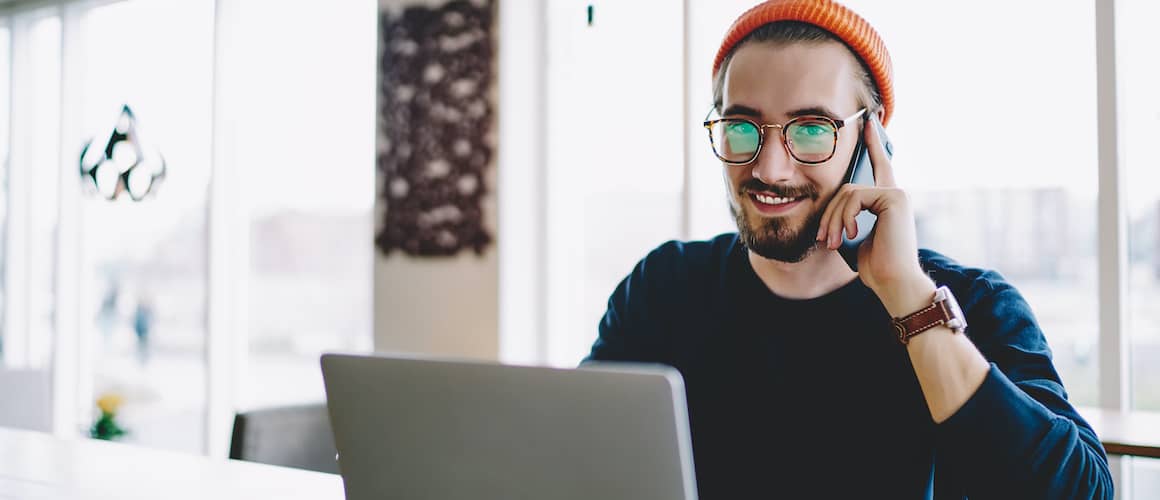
(771, 200)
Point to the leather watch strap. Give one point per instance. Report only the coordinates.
(943, 311)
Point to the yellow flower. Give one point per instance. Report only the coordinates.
(109, 402)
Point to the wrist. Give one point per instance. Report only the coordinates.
(904, 297)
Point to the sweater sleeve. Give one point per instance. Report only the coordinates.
(1018, 436)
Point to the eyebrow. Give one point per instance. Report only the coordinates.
(815, 110)
(739, 109)
(743, 110)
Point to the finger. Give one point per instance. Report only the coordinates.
(826, 216)
(883, 169)
(850, 216)
(844, 217)
(835, 223)
(828, 213)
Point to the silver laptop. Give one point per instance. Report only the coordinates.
(409, 428)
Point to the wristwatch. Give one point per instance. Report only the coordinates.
(943, 311)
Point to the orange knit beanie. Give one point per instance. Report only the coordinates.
(830, 16)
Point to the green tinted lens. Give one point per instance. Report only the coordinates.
(735, 141)
(811, 141)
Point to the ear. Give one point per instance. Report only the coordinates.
(881, 113)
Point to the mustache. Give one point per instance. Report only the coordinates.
(780, 190)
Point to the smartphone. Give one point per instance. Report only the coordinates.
(861, 171)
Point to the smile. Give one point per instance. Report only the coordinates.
(768, 204)
(773, 200)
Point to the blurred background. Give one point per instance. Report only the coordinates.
(256, 252)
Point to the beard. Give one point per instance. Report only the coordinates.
(777, 238)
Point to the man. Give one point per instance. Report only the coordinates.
(804, 377)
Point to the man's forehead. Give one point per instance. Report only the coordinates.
(779, 81)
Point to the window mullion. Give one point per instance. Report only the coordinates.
(1112, 238)
(1112, 235)
(72, 355)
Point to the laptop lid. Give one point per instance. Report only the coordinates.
(411, 428)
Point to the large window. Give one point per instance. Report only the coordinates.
(42, 183)
(1139, 77)
(143, 264)
(614, 186)
(1140, 118)
(115, 296)
(309, 189)
(33, 190)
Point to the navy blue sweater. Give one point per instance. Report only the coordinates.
(817, 399)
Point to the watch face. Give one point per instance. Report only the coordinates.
(957, 321)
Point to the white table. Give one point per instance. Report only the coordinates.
(35, 466)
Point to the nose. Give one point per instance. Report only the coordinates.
(774, 163)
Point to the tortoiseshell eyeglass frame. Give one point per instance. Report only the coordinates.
(785, 142)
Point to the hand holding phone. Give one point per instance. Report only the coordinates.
(861, 171)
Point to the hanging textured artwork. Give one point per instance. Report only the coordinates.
(435, 125)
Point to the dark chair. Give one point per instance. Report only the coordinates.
(291, 436)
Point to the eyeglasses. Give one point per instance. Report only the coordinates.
(809, 139)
